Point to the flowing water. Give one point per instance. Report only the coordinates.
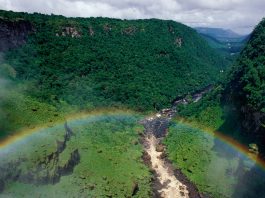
(171, 186)
(217, 168)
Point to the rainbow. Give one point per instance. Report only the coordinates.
(227, 140)
(22, 134)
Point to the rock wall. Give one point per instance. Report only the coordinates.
(252, 120)
(47, 170)
(14, 33)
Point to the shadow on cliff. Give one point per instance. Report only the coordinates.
(250, 177)
(250, 183)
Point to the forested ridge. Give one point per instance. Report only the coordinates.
(141, 64)
(236, 106)
(248, 74)
(98, 79)
(246, 86)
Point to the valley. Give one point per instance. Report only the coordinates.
(168, 182)
(105, 107)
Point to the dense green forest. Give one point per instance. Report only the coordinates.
(236, 106)
(143, 64)
(246, 87)
(233, 108)
(248, 76)
(53, 68)
(110, 162)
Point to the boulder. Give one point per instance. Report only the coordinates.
(159, 148)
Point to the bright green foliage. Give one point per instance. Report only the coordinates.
(207, 111)
(238, 109)
(110, 160)
(213, 112)
(143, 64)
(19, 111)
(192, 150)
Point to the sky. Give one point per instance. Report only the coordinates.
(240, 16)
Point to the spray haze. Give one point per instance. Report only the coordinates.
(4, 91)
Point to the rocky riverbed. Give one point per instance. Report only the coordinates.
(168, 181)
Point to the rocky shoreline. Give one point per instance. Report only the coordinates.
(157, 127)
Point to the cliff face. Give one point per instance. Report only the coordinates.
(253, 120)
(48, 169)
(246, 86)
(13, 33)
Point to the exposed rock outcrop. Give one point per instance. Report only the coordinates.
(135, 188)
(70, 31)
(91, 31)
(167, 181)
(156, 126)
(252, 123)
(14, 33)
(129, 30)
(107, 28)
(2, 186)
(48, 170)
(252, 120)
(178, 42)
(171, 29)
(62, 144)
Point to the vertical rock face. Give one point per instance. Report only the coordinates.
(252, 120)
(68, 132)
(2, 186)
(71, 163)
(14, 33)
(47, 170)
(253, 123)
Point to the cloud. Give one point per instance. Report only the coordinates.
(239, 15)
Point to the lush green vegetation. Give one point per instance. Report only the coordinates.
(191, 150)
(248, 76)
(69, 64)
(110, 160)
(143, 64)
(245, 84)
(215, 167)
(238, 104)
(18, 110)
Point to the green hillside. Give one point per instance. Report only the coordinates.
(248, 79)
(236, 107)
(246, 87)
(75, 93)
(233, 109)
(108, 162)
(143, 64)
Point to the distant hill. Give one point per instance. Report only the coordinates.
(225, 41)
(222, 35)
